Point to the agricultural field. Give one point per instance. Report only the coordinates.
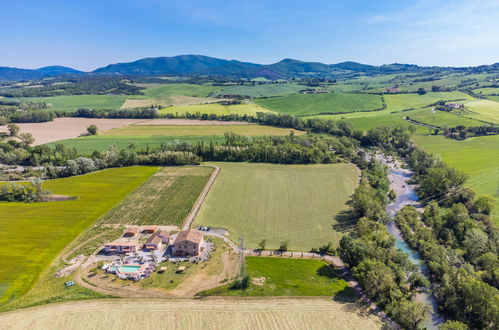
(440, 118)
(261, 90)
(159, 91)
(273, 276)
(397, 102)
(310, 104)
(476, 157)
(289, 313)
(249, 109)
(198, 130)
(32, 234)
(487, 91)
(165, 199)
(299, 204)
(486, 110)
(73, 102)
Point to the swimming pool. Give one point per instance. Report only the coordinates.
(129, 269)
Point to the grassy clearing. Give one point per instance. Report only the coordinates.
(73, 102)
(397, 102)
(165, 199)
(321, 103)
(261, 90)
(166, 90)
(198, 130)
(33, 234)
(476, 157)
(286, 313)
(440, 118)
(249, 109)
(295, 203)
(289, 277)
(88, 144)
(484, 110)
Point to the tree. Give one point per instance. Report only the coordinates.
(421, 91)
(283, 246)
(453, 325)
(262, 244)
(13, 129)
(409, 314)
(92, 130)
(26, 138)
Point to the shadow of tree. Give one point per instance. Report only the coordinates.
(345, 221)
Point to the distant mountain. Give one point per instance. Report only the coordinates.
(14, 74)
(188, 65)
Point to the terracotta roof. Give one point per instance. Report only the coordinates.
(191, 235)
(120, 243)
(154, 239)
(150, 228)
(133, 230)
(163, 233)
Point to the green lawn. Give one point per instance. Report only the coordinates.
(73, 102)
(295, 203)
(170, 195)
(397, 102)
(32, 234)
(166, 90)
(249, 109)
(476, 157)
(88, 144)
(289, 277)
(310, 104)
(487, 110)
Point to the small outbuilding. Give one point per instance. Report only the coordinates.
(149, 229)
(154, 242)
(131, 232)
(121, 247)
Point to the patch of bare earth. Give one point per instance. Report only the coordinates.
(189, 122)
(66, 128)
(287, 313)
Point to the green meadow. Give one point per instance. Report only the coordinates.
(440, 118)
(476, 157)
(73, 102)
(261, 90)
(249, 109)
(33, 234)
(166, 90)
(486, 110)
(288, 277)
(310, 104)
(397, 102)
(294, 203)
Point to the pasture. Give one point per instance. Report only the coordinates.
(73, 102)
(32, 234)
(476, 157)
(397, 102)
(199, 130)
(166, 90)
(165, 199)
(486, 110)
(440, 118)
(313, 104)
(261, 90)
(289, 277)
(288, 313)
(295, 203)
(218, 109)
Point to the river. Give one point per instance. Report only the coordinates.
(406, 195)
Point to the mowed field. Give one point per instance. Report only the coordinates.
(120, 314)
(476, 157)
(397, 102)
(32, 234)
(166, 90)
(73, 102)
(289, 277)
(310, 104)
(484, 110)
(165, 199)
(294, 203)
(261, 90)
(250, 109)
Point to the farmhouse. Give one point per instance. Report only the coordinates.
(121, 247)
(188, 243)
(453, 106)
(154, 242)
(131, 232)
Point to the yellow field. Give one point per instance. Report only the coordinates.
(194, 314)
(484, 110)
(198, 130)
(216, 108)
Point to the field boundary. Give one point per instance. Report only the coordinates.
(195, 209)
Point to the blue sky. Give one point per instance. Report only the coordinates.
(89, 34)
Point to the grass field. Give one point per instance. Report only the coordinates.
(289, 277)
(195, 314)
(261, 90)
(484, 110)
(487, 91)
(166, 90)
(476, 157)
(440, 118)
(218, 109)
(33, 234)
(295, 203)
(310, 104)
(397, 102)
(73, 102)
(165, 199)
(198, 130)
(88, 144)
